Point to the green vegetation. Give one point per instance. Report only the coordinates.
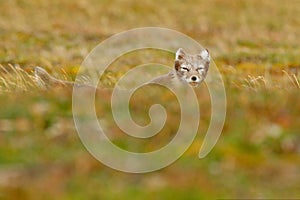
(255, 45)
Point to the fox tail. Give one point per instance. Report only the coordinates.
(45, 80)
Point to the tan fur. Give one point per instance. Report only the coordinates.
(44, 79)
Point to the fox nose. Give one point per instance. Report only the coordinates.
(194, 78)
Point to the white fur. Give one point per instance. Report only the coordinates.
(178, 52)
(205, 55)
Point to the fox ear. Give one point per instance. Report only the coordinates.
(176, 65)
(204, 54)
(180, 54)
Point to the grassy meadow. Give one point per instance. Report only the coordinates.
(256, 47)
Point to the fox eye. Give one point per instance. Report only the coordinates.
(200, 68)
(185, 68)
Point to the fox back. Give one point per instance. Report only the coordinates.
(188, 69)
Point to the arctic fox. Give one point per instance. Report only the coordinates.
(188, 69)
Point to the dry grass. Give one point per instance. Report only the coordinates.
(286, 81)
(14, 79)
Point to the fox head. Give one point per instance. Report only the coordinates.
(192, 69)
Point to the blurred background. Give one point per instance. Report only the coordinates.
(255, 45)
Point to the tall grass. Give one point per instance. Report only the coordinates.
(14, 78)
